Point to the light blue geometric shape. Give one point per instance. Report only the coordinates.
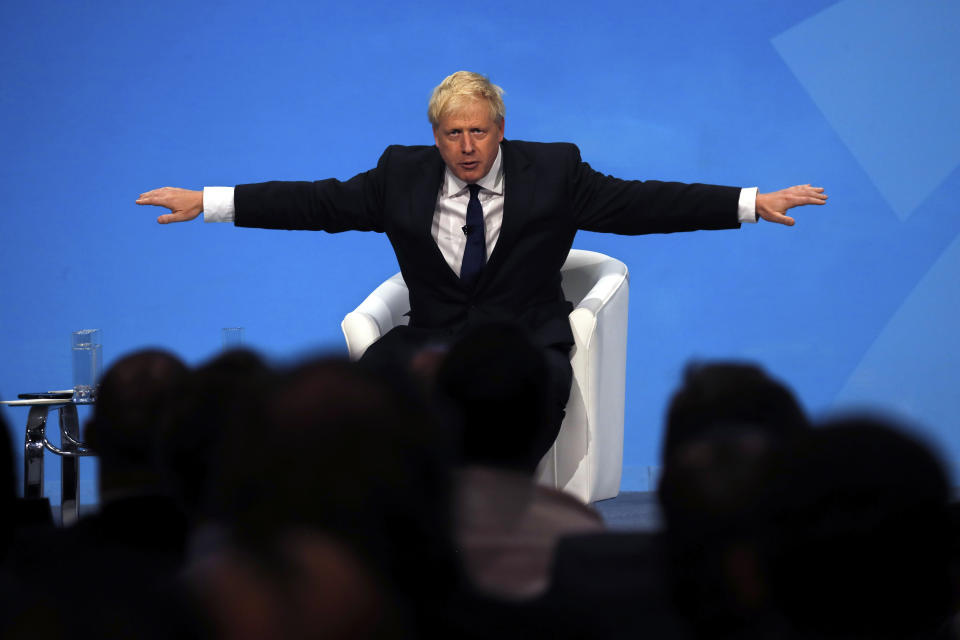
(913, 367)
(886, 75)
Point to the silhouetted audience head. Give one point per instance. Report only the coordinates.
(726, 427)
(133, 404)
(343, 454)
(497, 379)
(223, 396)
(861, 539)
(729, 392)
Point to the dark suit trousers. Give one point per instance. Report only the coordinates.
(394, 353)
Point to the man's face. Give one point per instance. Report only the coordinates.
(468, 138)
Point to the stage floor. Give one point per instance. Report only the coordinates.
(631, 511)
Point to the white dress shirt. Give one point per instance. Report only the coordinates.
(450, 214)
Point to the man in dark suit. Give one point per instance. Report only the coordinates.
(468, 253)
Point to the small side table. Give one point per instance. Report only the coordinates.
(70, 452)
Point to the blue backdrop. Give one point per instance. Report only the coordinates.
(857, 304)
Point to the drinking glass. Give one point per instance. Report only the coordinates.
(87, 351)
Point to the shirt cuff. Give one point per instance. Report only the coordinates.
(218, 204)
(746, 209)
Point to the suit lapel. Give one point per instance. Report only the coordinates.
(519, 177)
(423, 203)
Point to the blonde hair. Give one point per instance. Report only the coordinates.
(461, 87)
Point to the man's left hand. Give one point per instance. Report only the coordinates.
(773, 206)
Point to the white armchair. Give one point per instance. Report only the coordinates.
(587, 457)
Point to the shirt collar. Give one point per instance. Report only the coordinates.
(493, 181)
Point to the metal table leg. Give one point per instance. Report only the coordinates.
(69, 464)
(33, 452)
(70, 452)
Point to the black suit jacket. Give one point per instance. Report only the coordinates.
(550, 193)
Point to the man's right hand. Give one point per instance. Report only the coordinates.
(184, 204)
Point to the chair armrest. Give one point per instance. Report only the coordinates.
(360, 331)
(382, 310)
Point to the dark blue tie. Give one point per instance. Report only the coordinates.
(475, 253)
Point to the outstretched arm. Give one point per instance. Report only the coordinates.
(773, 207)
(184, 204)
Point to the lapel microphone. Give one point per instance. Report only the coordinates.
(466, 229)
